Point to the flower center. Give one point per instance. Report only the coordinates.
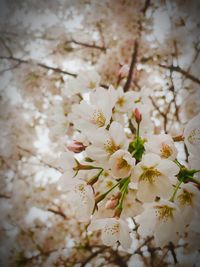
(164, 212)
(149, 174)
(109, 184)
(122, 164)
(166, 151)
(99, 118)
(111, 147)
(91, 85)
(186, 198)
(121, 101)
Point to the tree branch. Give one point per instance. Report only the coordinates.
(181, 71)
(102, 48)
(59, 213)
(132, 66)
(23, 61)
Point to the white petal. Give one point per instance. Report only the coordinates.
(150, 159)
(97, 224)
(67, 160)
(117, 134)
(168, 168)
(124, 235)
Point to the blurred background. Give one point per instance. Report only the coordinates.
(43, 45)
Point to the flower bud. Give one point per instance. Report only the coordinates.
(76, 147)
(111, 204)
(138, 115)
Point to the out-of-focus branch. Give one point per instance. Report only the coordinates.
(23, 61)
(132, 66)
(93, 45)
(47, 67)
(172, 89)
(92, 256)
(163, 114)
(172, 250)
(58, 212)
(135, 48)
(181, 71)
(6, 46)
(31, 153)
(4, 196)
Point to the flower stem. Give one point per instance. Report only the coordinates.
(94, 179)
(102, 196)
(178, 163)
(175, 191)
(192, 179)
(119, 207)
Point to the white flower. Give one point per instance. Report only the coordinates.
(188, 200)
(86, 80)
(124, 101)
(162, 145)
(194, 163)
(113, 230)
(95, 114)
(192, 135)
(105, 143)
(80, 196)
(68, 163)
(131, 206)
(152, 175)
(162, 220)
(121, 164)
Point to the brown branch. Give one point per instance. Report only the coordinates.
(181, 71)
(135, 49)
(30, 153)
(58, 70)
(172, 250)
(5, 196)
(102, 48)
(132, 66)
(23, 61)
(146, 5)
(164, 115)
(58, 212)
(92, 256)
(138, 250)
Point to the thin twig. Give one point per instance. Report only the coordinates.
(181, 71)
(27, 61)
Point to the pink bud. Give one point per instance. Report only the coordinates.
(76, 147)
(124, 70)
(138, 115)
(111, 204)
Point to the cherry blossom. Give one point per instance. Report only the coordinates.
(163, 220)
(153, 176)
(162, 145)
(80, 197)
(105, 143)
(121, 164)
(191, 134)
(113, 230)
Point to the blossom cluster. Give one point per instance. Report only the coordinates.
(117, 168)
